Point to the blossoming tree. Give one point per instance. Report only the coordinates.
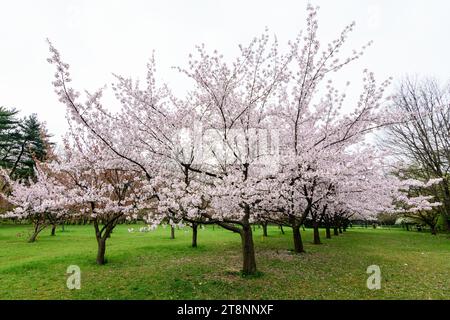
(102, 187)
(41, 201)
(269, 140)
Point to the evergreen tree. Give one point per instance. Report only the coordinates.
(22, 142)
(8, 136)
(32, 144)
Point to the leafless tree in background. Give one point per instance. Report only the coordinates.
(424, 137)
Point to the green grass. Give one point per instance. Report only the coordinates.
(150, 265)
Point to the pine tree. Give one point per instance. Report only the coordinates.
(32, 144)
(8, 136)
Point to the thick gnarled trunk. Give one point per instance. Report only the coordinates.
(101, 251)
(102, 235)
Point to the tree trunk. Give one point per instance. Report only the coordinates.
(101, 250)
(194, 235)
(445, 223)
(281, 229)
(446, 211)
(37, 229)
(53, 230)
(433, 230)
(172, 232)
(298, 243)
(33, 237)
(316, 234)
(328, 232)
(248, 250)
(340, 229)
(264, 226)
(335, 231)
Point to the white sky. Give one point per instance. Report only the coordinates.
(98, 37)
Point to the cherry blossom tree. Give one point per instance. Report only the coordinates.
(102, 186)
(416, 205)
(146, 123)
(41, 201)
(313, 130)
(184, 201)
(268, 141)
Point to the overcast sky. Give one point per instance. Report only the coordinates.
(98, 37)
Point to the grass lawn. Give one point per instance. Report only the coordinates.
(414, 265)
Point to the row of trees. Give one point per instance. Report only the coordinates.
(260, 138)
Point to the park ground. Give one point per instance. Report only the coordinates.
(150, 265)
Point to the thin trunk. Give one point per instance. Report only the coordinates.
(328, 231)
(172, 232)
(248, 250)
(433, 230)
(298, 243)
(33, 236)
(335, 231)
(53, 230)
(446, 211)
(37, 229)
(194, 235)
(22, 150)
(281, 228)
(316, 234)
(264, 226)
(340, 229)
(445, 223)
